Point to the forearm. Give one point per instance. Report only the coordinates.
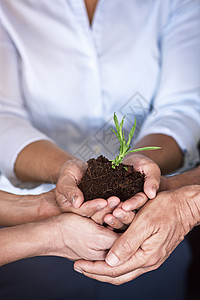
(23, 241)
(169, 158)
(191, 177)
(40, 161)
(12, 212)
(21, 209)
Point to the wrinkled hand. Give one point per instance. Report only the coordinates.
(154, 233)
(79, 237)
(125, 212)
(67, 192)
(70, 198)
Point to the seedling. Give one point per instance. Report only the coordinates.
(125, 145)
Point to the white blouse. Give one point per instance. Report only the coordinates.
(61, 79)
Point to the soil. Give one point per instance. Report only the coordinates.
(102, 181)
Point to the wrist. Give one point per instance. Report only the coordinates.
(168, 183)
(189, 204)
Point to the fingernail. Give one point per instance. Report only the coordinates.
(111, 221)
(154, 190)
(113, 205)
(79, 270)
(112, 259)
(120, 217)
(100, 207)
(73, 199)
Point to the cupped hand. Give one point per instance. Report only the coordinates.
(151, 170)
(70, 198)
(78, 237)
(125, 212)
(154, 233)
(48, 207)
(67, 190)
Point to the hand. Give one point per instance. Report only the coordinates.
(67, 190)
(150, 168)
(150, 239)
(70, 198)
(124, 214)
(78, 237)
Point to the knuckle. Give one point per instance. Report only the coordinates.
(126, 246)
(153, 260)
(113, 273)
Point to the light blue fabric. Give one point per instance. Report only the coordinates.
(62, 79)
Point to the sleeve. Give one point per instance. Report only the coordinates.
(176, 106)
(16, 131)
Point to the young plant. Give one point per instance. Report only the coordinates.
(125, 145)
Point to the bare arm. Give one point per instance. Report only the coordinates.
(190, 177)
(20, 209)
(40, 161)
(169, 158)
(60, 236)
(24, 241)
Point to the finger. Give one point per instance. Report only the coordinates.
(89, 208)
(152, 180)
(114, 222)
(110, 279)
(129, 242)
(69, 193)
(151, 170)
(100, 268)
(151, 186)
(136, 202)
(112, 203)
(71, 174)
(115, 281)
(123, 216)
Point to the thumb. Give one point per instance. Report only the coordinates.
(152, 182)
(126, 245)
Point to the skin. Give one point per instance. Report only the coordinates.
(47, 164)
(38, 227)
(67, 191)
(170, 156)
(152, 235)
(56, 236)
(90, 7)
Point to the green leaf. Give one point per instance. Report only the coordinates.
(143, 149)
(115, 133)
(123, 136)
(120, 128)
(131, 133)
(125, 146)
(116, 123)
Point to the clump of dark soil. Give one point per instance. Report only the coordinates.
(102, 181)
